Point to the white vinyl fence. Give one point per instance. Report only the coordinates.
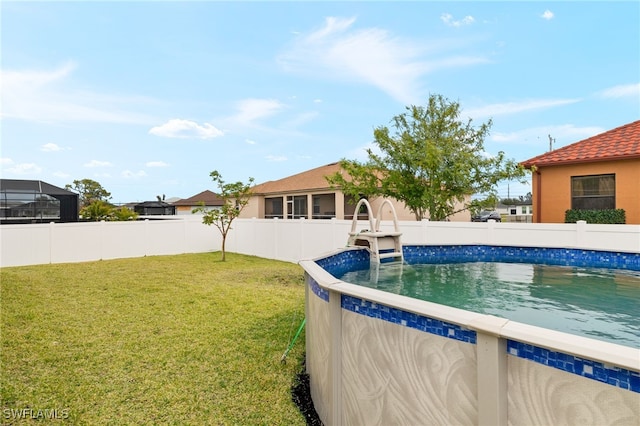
(288, 240)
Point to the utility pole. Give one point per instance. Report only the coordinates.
(551, 142)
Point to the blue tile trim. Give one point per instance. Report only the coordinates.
(536, 255)
(609, 374)
(317, 290)
(407, 319)
(348, 260)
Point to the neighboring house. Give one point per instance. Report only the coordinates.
(515, 212)
(154, 208)
(208, 199)
(308, 195)
(34, 201)
(601, 172)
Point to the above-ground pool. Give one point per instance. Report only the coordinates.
(375, 357)
(599, 303)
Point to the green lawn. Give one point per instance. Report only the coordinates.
(180, 340)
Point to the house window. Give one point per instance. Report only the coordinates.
(350, 207)
(596, 192)
(296, 206)
(324, 206)
(273, 208)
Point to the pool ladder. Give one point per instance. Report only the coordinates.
(381, 244)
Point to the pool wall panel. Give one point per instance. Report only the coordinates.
(539, 395)
(398, 375)
(317, 347)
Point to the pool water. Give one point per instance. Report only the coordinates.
(601, 304)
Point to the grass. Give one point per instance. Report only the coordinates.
(182, 339)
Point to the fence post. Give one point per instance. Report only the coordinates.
(425, 231)
(491, 228)
(276, 241)
(581, 231)
(51, 241)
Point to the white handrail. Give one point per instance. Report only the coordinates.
(354, 223)
(379, 216)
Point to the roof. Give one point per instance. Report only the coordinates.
(620, 143)
(310, 180)
(19, 185)
(155, 204)
(207, 197)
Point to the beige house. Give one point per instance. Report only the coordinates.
(210, 200)
(308, 195)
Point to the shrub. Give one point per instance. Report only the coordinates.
(596, 216)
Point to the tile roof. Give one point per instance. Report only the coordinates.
(309, 180)
(617, 144)
(209, 198)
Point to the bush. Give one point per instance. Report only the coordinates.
(595, 216)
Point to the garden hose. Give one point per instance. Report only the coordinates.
(284, 355)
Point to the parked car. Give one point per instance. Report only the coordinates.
(485, 215)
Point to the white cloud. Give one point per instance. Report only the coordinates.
(128, 174)
(516, 107)
(370, 56)
(50, 147)
(23, 169)
(183, 129)
(5, 161)
(50, 96)
(447, 18)
(250, 110)
(97, 163)
(317, 101)
(622, 91)
(548, 15)
(276, 158)
(301, 119)
(250, 142)
(61, 174)
(563, 135)
(156, 164)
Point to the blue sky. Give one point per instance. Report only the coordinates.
(148, 98)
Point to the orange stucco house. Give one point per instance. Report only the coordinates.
(601, 172)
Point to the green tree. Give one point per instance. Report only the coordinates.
(96, 211)
(122, 214)
(431, 161)
(89, 191)
(235, 197)
(521, 200)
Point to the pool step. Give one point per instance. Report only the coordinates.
(389, 254)
(381, 244)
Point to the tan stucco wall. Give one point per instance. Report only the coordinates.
(404, 213)
(255, 207)
(552, 188)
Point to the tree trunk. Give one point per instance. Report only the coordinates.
(224, 239)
